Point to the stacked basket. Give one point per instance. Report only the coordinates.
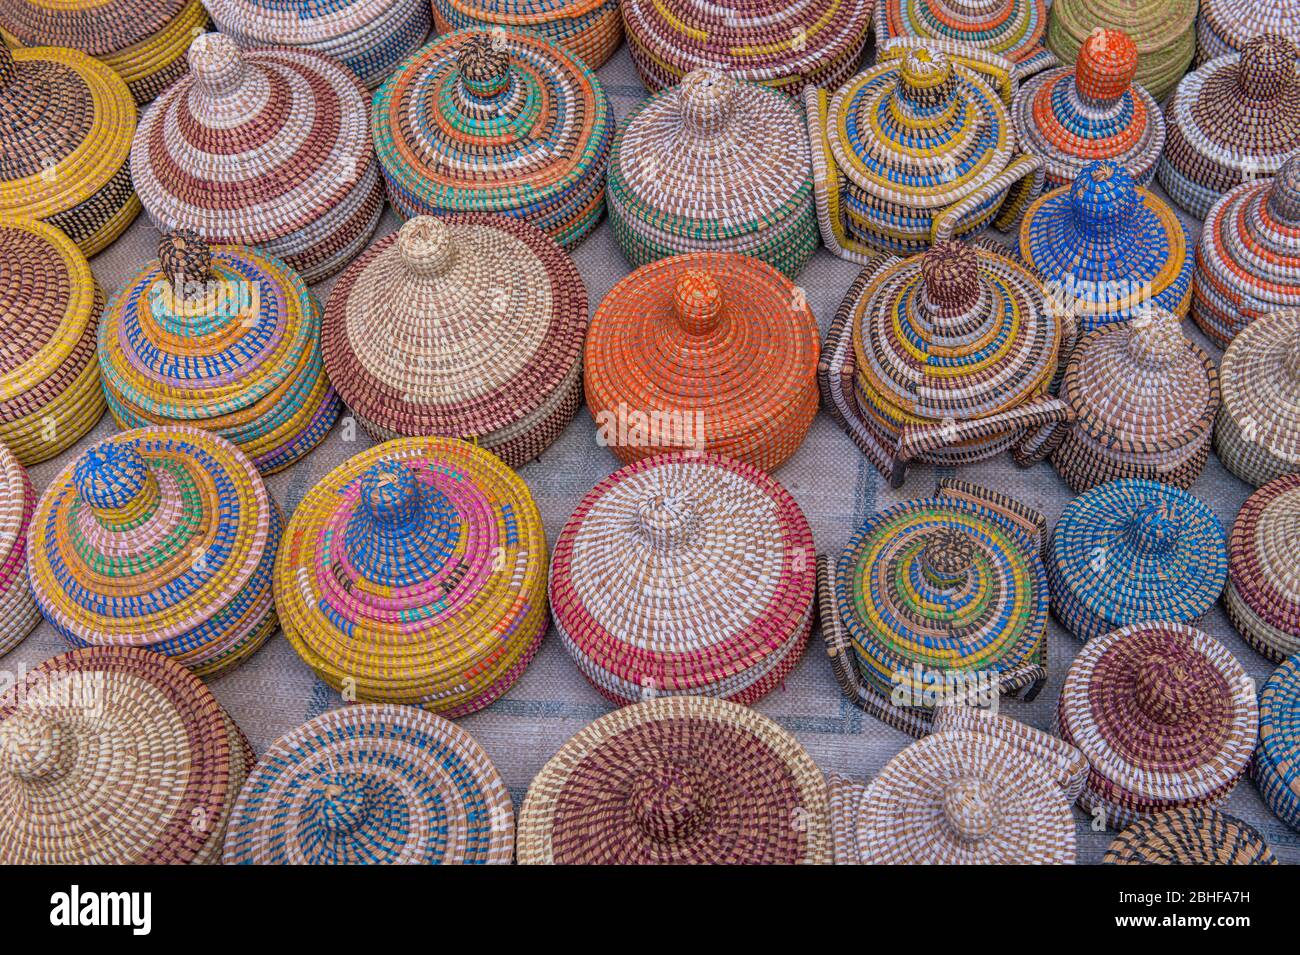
(590, 29)
(1262, 597)
(1276, 766)
(18, 612)
(1164, 31)
(1010, 28)
(1189, 837)
(1257, 435)
(1226, 26)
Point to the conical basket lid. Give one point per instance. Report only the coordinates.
(1260, 378)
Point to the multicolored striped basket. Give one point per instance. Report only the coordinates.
(1011, 28)
(712, 350)
(268, 148)
(1073, 116)
(1164, 31)
(223, 338)
(782, 45)
(1276, 764)
(415, 572)
(1189, 837)
(143, 43)
(917, 150)
(907, 371)
(1248, 257)
(714, 165)
(370, 37)
(18, 612)
(66, 122)
(1226, 26)
(1234, 120)
(159, 538)
(1144, 398)
(590, 29)
(685, 574)
(1257, 435)
(674, 781)
(465, 325)
(116, 756)
(372, 784)
(1166, 717)
(502, 121)
(50, 305)
(1262, 597)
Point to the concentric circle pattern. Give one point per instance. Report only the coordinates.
(1163, 30)
(1257, 435)
(1011, 28)
(1276, 766)
(592, 30)
(1189, 837)
(1263, 593)
(18, 612)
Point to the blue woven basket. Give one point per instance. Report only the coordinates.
(1276, 766)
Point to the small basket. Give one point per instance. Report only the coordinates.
(1163, 30)
(1189, 837)
(589, 29)
(19, 614)
(1257, 435)
(1014, 29)
(1262, 597)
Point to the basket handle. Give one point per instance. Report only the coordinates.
(1023, 179)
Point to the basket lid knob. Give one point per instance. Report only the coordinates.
(114, 481)
(1284, 193)
(666, 522)
(1106, 65)
(946, 556)
(484, 64)
(706, 98)
(1156, 338)
(1103, 198)
(1152, 529)
(186, 261)
(338, 805)
(1267, 67)
(950, 272)
(216, 62)
(667, 806)
(34, 746)
(426, 245)
(1165, 683)
(924, 72)
(697, 301)
(391, 493)
(970, 807)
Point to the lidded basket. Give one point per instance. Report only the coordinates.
(714, 165)
(415, 572)
(223, 338)
(1166, 717)
(115, 756)
(1189, 837)
(1164, 31)
(1011, 28)
(1234, 120)
(1276, 766)
(1262, 597)
(944, 357)
(372, 784)
(1257, 434)
(917, 149)
(18, 612)
(466, 325)
(267, 148)
(590, 29)
(160, 538)
(712, 350)
(1144, 398)
(370, 37)
(677, 780)
(1072, 116)
(1226, 26)
(66, 122)
(502, 122)
(685, 574)
(50, 307)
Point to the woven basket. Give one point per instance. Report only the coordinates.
(268, 148)
(1189, 837)
(1144, 398)
(589, 29)
(18, 612)
(1132, 551)
(1248, 257)
(1166, 717)
(714, 165)
(496, 122)
(1164, 31)
(372, 784)
(415, 572)
(370, 37)
(685, 574)
(677, 780)
(113, 756)
(66, 122)
(50, 305)
(1262, 597)
(1257, 435)
(782, 45)
(907, 370)
(1234, 120)
(712, 350)
(916, 150)
(464, 326)
(160, 538)
(1010, 28)
(1276, 764)
(1226, 26)
(225, 339)
(1073, 116)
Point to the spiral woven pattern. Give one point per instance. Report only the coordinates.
(1257, 435)
(223, 338)
(1189, 837)
(589, 29)
(1276, 765)
(1262, 597)
(161, 538)
(714, 165)
(1163, 30)
(677, 780)
(1226, 26)
(114, 756)
(1166, 717)
(268, 148)
(711, 350)
(372, 784)
(1012, 28)
(416, 573)
(496, 122)
(18, 612)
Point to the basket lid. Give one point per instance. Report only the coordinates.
(1189, 836)
(415, 572)
(1260, 378)
(712, 158)
(1134, 550)
(1010, 28)
(253, 145)
(459, 326)
(1264, 553)
(677, 780)
(1277, 758)
(374, 784)
(100, 28)
(1237, 22)
(1151, 23)
(114, 755)
(1164, 713)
